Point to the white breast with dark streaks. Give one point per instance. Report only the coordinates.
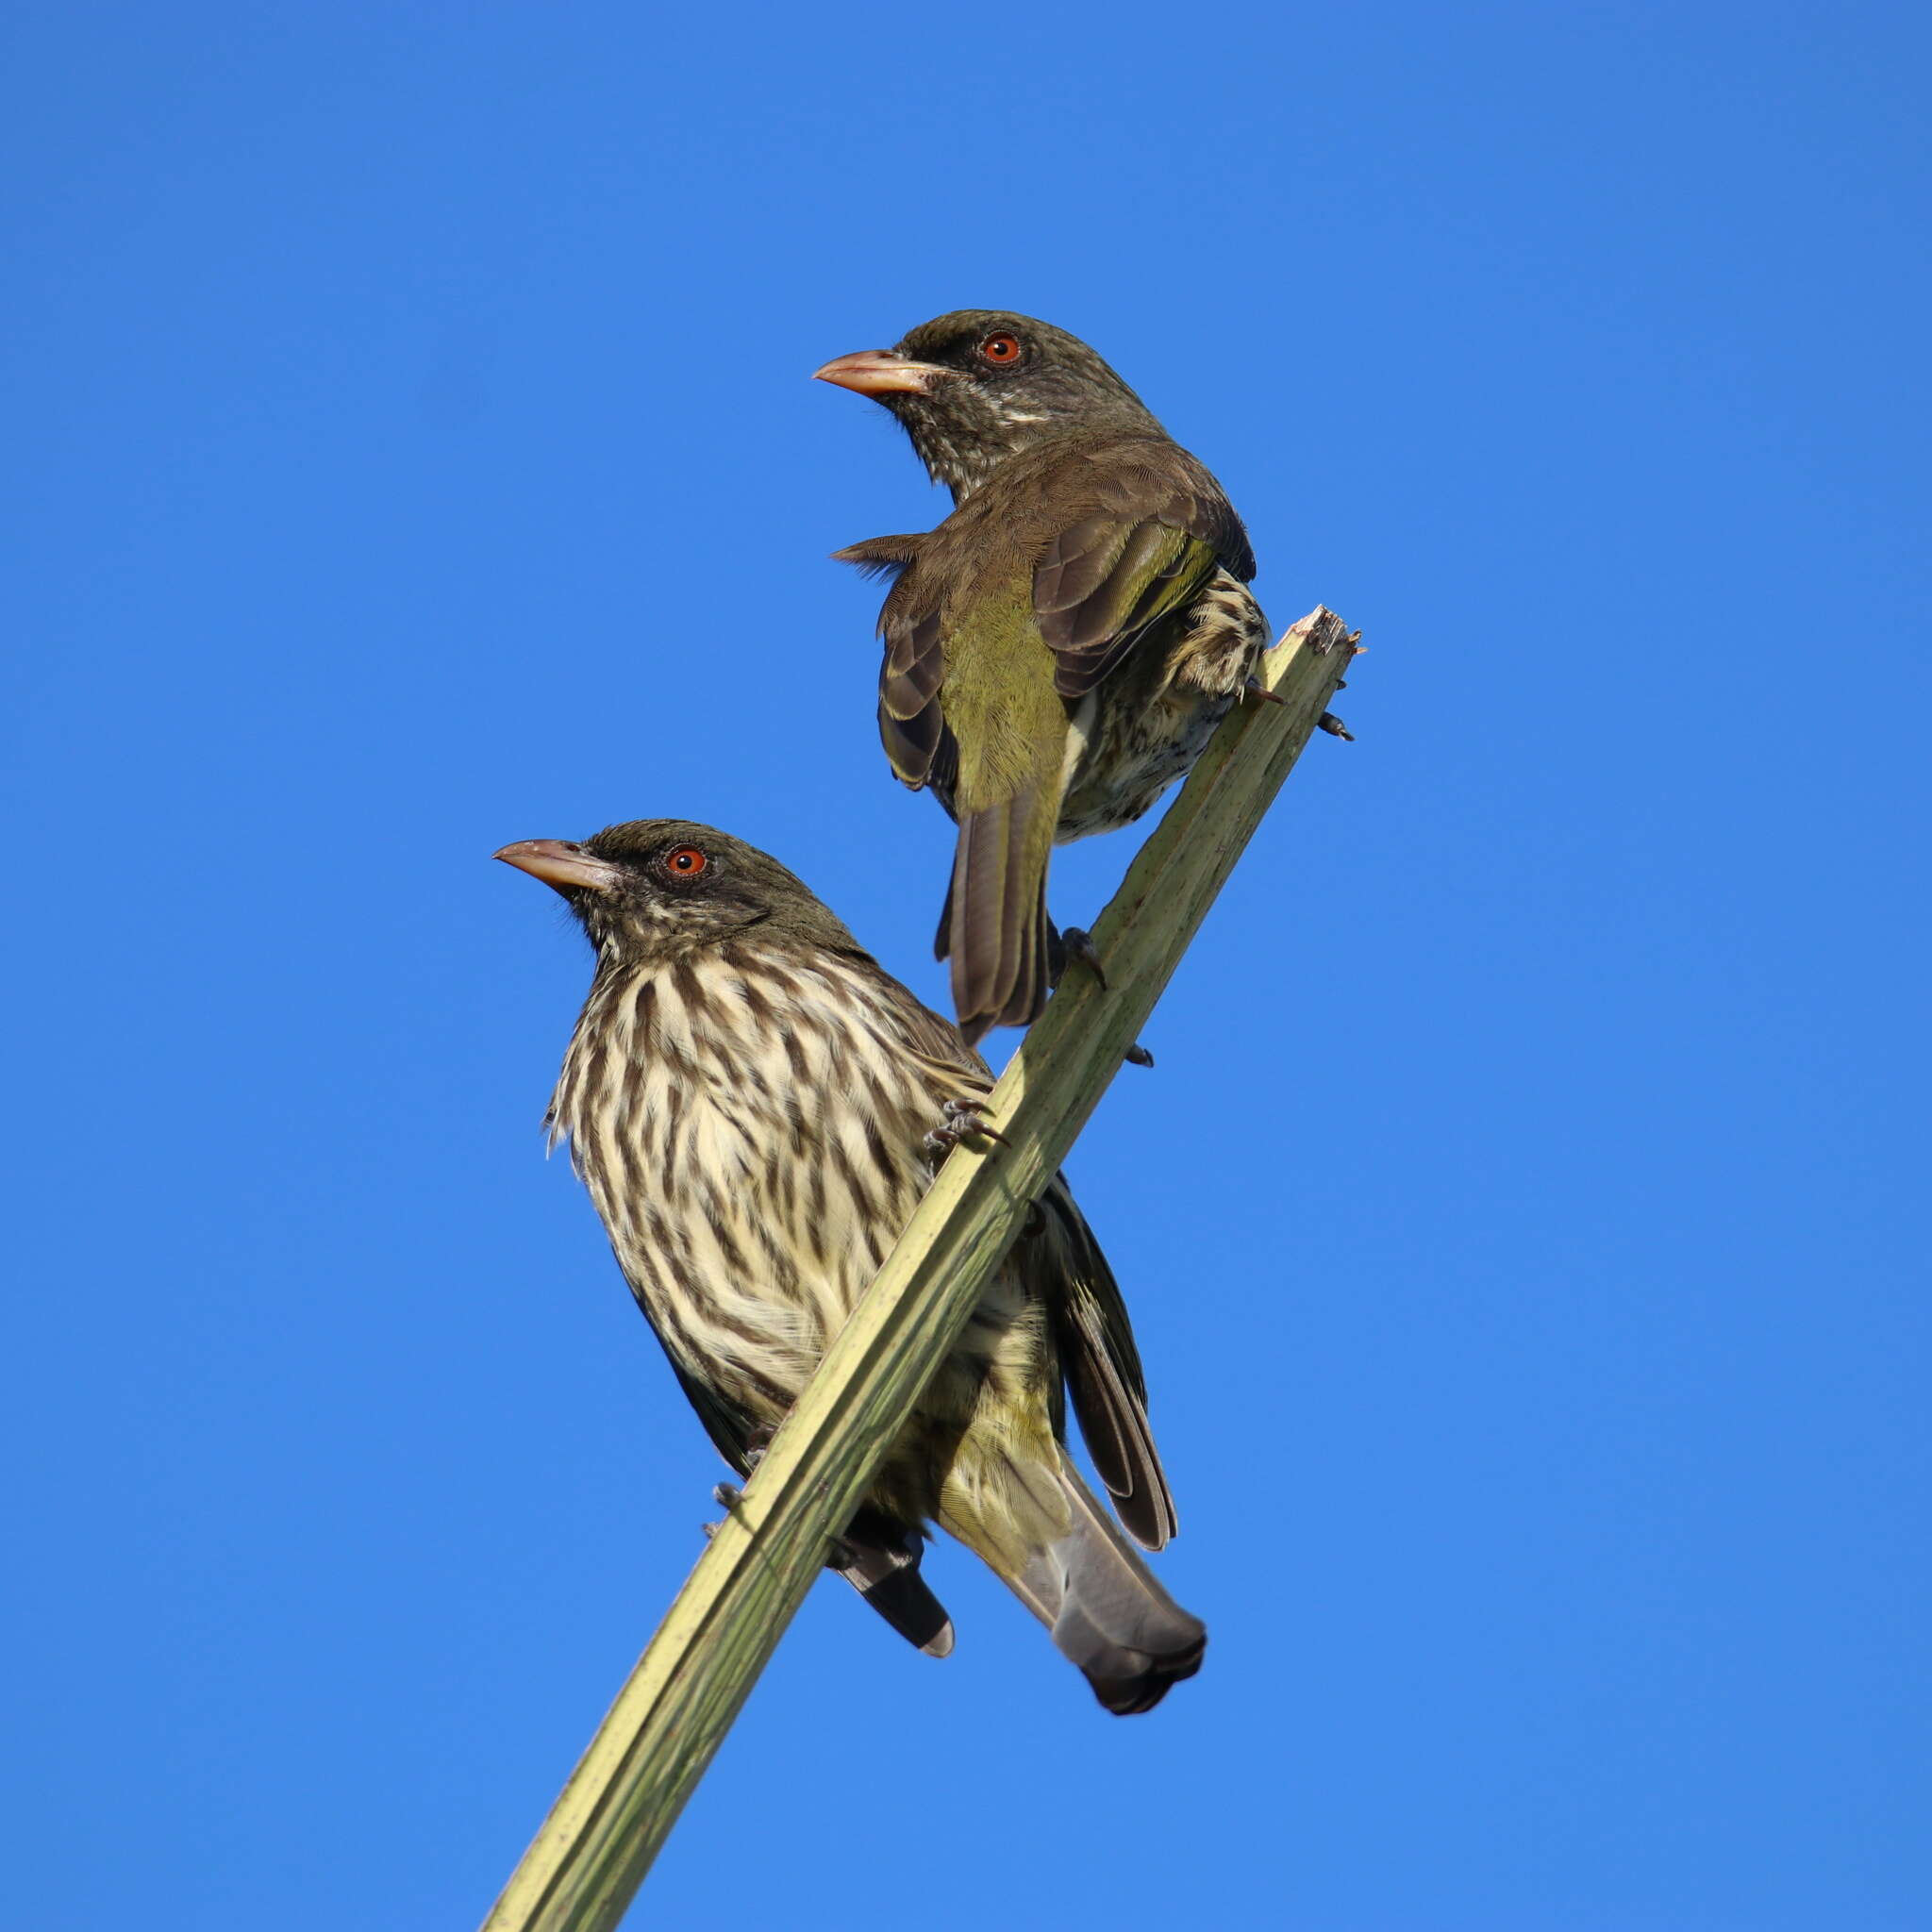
(752, 1131)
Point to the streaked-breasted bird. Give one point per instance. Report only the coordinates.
(1059, 650)
(757, 1107)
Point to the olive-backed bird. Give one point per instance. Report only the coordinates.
(1061, 649)
(757, 1107)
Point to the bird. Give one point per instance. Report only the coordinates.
(756, 1106)
(1059, 650)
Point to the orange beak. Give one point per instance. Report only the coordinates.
(559, 863)
(881, 372)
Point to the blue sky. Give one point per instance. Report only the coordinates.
(413, 451)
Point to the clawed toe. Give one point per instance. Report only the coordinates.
(728, 1497)
(1077, 943)
(962, 1120)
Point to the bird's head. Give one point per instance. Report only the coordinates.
(657, 889)
(979, 385)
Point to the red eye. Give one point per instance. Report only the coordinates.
(1000, 349)
(685, 861)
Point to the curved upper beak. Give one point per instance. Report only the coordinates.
(881, 372)
(559, 863)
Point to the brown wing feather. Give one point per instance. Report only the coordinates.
(1117, 532)
(1063, 1265)
(1159, 529)
(881, 556)
(1151, 572)
(1174, 488)
(912, 725)
(1102, 1367)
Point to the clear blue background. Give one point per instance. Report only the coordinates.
(412, 450)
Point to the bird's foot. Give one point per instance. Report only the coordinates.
(1322, 646)
(961, 1120)
(1077, 943)
(728, 1497)
(1256, 691)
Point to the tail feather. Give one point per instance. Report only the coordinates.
(995, 929)
(942, 939)
(1107, 1612)
(879, 1559)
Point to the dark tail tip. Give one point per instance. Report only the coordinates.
(905, 1603)
(1141, 1690)
(879, 1559)
(1131, 1641)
